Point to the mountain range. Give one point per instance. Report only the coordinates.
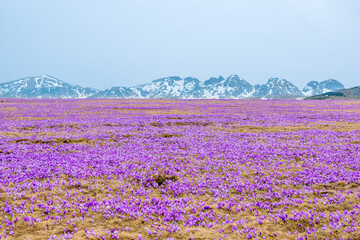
(232, 87)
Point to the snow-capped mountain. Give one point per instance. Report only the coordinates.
(317, 88)
(277, 88)
(170, 87)
(232, 87)
(43, 87)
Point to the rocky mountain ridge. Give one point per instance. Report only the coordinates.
(232, 87)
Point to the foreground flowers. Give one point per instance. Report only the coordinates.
(179, 169)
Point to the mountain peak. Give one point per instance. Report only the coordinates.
(167, 79)
(234, 76)
(277, 80)
(48, 76)
(277, 88)
(214, 80)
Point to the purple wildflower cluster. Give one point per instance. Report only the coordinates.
(179, 169)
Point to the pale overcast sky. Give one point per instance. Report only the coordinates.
(104, 43)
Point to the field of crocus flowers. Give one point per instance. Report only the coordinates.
(179, 169)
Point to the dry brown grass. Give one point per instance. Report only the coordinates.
(333, 126)
(100, 190)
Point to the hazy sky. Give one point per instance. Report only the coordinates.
(104, 43)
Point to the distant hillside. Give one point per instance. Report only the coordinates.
(349, 93)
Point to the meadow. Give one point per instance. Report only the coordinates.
(179, 169)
